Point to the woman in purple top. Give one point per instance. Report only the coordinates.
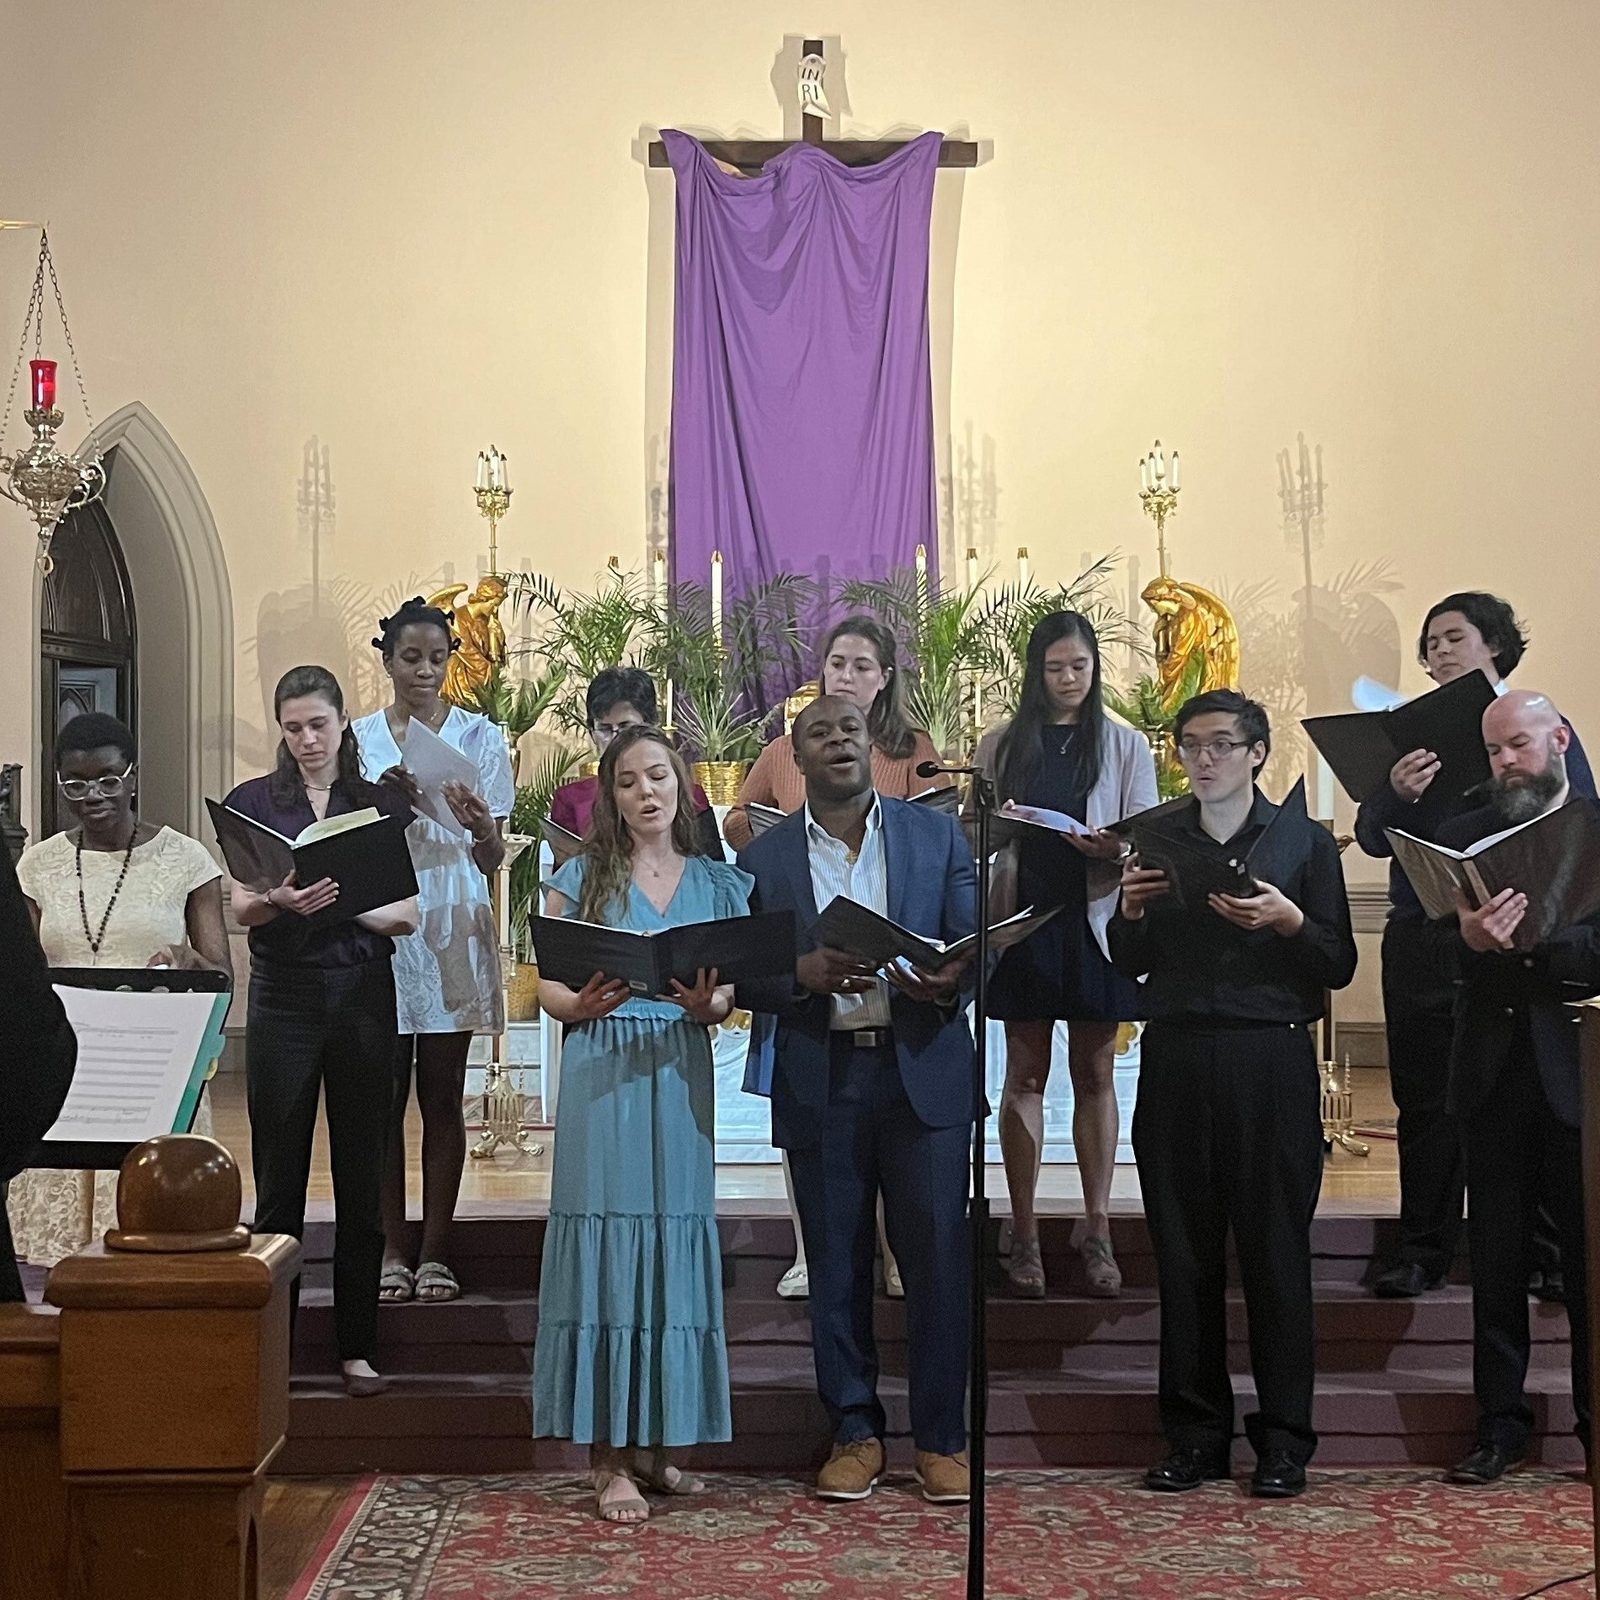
(321, 1017)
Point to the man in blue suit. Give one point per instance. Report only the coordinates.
(873, 1089)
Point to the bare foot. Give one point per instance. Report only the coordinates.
(659, 1474)
(617, 1497)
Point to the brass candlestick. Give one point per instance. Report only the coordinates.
(503, 1121)
(1158, 494)
(1338, 1110)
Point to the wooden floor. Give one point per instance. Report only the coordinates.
(299, 1511)
(511, 1185)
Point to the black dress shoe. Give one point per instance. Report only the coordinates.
(1486, 1463)
(1278, 1476)
(1549, 1285)
(1186, 1468)
(1404, 1282)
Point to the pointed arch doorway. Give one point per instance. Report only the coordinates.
(174, 678)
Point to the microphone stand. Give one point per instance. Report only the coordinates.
(978, 1375)
(983, 797)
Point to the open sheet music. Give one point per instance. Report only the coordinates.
(364, 852)
(739, 948)
(433, 762)
(859, 931)
(1362, 746)
(1194, 873)
(142, 1061)
(1554, 860)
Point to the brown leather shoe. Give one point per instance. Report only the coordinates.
(945, 1480)
(851, 1471)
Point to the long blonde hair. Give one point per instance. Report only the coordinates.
(608, 845)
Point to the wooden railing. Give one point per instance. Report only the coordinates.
(139, 1411)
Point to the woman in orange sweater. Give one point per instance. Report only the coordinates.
(859, 665)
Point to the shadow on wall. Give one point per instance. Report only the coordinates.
(969, 500)
(1297, 670)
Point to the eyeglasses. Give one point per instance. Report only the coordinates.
(105, 788)
(1217, 749)
(607, 731)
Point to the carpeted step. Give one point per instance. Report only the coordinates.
(444, 1423)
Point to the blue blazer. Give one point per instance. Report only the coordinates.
(932, 892)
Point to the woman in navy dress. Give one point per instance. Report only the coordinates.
(1060, 751)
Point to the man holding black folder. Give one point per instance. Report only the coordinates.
(873, 1087)
(1227, 1128)
(1514, 1085)
(1468, 636)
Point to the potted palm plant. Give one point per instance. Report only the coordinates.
(529, 814)
(1144, 707)
(517, 705)
(729, 683)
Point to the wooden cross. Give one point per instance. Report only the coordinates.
(750, 155)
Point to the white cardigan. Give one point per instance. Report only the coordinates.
(1126, 785)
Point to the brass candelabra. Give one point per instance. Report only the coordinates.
(1158, 494)
(1338, 1110)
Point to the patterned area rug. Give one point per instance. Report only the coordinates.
(1052, 1536)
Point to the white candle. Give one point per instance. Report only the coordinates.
(716, 594)
(1144, 474)
(668, 723)
(505, 475)
(1173, 483)
(1022, 566)
(658, 579)
(1158, 463)
(483, 471)
(972, 569)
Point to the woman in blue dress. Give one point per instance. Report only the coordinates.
(630, 1357)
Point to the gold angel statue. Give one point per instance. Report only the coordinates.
(476, 623)
(1191, 622)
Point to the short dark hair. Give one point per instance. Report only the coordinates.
(1251, 716)
(621, 686)
(415, 612)
(94, 730)
(1491, 616)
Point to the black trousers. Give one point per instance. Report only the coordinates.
(1227, 1131)
(873, 1140)
(328, 1031)
(1519, 1154)
(1419, 1026)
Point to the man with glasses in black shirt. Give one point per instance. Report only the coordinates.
(1227, 1129)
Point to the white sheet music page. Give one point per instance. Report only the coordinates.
(433, 763)
(136, 1056)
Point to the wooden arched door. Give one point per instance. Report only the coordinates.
(88, 641)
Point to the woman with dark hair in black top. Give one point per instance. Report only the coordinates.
(321, 1016)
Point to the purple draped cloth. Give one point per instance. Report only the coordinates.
(802, 399)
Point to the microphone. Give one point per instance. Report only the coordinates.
(932, 769)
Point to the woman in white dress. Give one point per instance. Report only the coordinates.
(447, 973)
(110, 892)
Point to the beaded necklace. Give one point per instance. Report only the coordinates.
(95, 940)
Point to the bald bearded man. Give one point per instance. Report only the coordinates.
(1514, 1086)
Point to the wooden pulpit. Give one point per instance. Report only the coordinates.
(140, 1408)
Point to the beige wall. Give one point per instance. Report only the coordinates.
(408, 229)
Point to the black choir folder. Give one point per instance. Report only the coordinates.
(564, 843)
(364, 852)
(1194, 873)
(861, 932)
(1554, 860)
(946, 798)
(1362, 746)
(739, 948)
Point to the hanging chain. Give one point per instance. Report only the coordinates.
(48, 260)
(34, 323)
(35, 311)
